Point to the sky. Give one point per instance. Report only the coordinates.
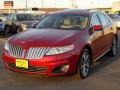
(82, 4)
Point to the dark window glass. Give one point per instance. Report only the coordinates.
(25, 17)
(103, 20)
(95, 20)
(69, 22)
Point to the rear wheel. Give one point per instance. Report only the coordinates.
(113, 50)
(84, 64)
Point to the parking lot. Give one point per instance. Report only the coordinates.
(105, 75)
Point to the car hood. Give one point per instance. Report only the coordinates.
(45, 37)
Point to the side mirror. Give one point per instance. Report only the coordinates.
(97, 27)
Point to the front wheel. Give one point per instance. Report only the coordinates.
(84, 64)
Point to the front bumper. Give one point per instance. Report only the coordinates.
(48, 65)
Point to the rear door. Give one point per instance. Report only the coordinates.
(107, 30)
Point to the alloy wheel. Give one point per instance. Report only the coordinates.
(84, 66)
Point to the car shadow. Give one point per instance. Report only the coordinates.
(105, 61)
(102, 63)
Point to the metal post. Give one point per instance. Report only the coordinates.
(26, 5)
(55, 3)
(42, 6)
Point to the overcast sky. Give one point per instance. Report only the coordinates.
(60, 3)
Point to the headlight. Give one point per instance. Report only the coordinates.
(6, 47)
(59, 50)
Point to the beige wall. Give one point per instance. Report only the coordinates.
(116, 6)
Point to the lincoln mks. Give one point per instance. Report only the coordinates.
(63, 43)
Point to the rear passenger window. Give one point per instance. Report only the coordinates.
(108, 20)
(103, 20)
(95, 20)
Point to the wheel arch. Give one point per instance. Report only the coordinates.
(87, 46)
(90, 49)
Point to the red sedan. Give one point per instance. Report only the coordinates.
(65, 42)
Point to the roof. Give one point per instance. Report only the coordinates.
(75, 11)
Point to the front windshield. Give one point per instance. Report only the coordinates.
(69, 22)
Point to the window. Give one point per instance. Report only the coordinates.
(25, 17)
(108, 19)
(64, 21)
(14, 17)
(95, 20)
(103, 20)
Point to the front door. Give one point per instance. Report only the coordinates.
(97, 37)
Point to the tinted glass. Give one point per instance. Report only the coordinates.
(95, 20)
(25, 17)
(74, 22)
(103, 20)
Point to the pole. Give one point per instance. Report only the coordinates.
(42, 6)
(26, 5)
(9, 10)
(55, 3)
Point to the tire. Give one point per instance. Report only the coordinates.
(84, 64)
(6, 30)
(113, 50)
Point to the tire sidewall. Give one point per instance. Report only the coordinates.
(79, 65)
(112, 50)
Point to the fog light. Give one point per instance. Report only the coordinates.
(65, 68)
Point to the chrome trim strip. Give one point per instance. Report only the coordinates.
(101, 55)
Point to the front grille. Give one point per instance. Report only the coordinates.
(35, 53)
(30, 69)
(32, 53)
(15, 51)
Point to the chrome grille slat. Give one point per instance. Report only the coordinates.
(36, 52)
(15, 51)
(32, 53)
(40, 52)
(37, 55)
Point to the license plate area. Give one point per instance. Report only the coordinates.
(21, 63)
